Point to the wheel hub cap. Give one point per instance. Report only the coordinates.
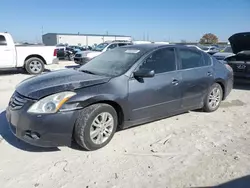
(35, 66)
(214, 98)
(101, 128)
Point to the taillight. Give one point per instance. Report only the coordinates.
(55, 52)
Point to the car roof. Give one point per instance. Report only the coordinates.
(148, 47)
(115, 42)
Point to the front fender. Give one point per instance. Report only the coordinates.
(87, 100)
(91, 99)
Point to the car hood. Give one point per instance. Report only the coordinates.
(58, 81)
(240, 42)
(222, 55)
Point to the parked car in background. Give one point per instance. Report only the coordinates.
(61, 46)
(76, 48)
(240, 59)
(194, 47)
(123, 87)
(141, 42)
(31, 58)
(69, 52)
(210, 49)
(227, 51)
(85, 56)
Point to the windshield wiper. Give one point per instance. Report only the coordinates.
(87, 71)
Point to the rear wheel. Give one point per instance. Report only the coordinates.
(213, 98)
(95, 126)
(34, 65)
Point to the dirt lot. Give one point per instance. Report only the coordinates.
(190, 150)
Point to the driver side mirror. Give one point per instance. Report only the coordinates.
(144, 73)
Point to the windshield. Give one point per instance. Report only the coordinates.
(100, 47)
(228, 49)
(113, 63)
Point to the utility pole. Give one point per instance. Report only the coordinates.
(42, 30)
(42, 35)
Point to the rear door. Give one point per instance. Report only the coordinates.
(159, 95)
(7, 56)
(197, 76)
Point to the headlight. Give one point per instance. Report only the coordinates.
(52, 103)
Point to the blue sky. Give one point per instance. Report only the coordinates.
(160, 20)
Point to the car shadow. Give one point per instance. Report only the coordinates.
(16, 71)
(243, 182)
(12, 71)
(8, 136)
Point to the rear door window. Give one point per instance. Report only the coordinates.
(2, 41)
(190, 58)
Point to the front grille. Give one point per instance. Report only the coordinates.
(17, 101)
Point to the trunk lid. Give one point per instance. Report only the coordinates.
(240, 42)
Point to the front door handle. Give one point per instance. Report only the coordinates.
(209, 74)
(175, 82)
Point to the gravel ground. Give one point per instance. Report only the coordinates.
(194, 149)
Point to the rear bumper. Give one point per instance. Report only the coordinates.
(229, 87)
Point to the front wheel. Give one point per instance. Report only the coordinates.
(213, 98)
(95, 126)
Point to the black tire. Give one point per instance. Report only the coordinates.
(83, 125)
(28, 65)
(207, 107)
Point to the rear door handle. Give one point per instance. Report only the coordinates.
(209, 74)
(175, 82)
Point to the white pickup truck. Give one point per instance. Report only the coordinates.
(31, 58)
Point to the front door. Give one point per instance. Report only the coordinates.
(6, 54)
(157, 96)
(197, 77)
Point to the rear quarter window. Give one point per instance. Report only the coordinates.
(190, 58)
(2, 40)
(207, 59)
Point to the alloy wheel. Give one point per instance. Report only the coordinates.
(214, 98)
(101, 128)
(35, 66)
